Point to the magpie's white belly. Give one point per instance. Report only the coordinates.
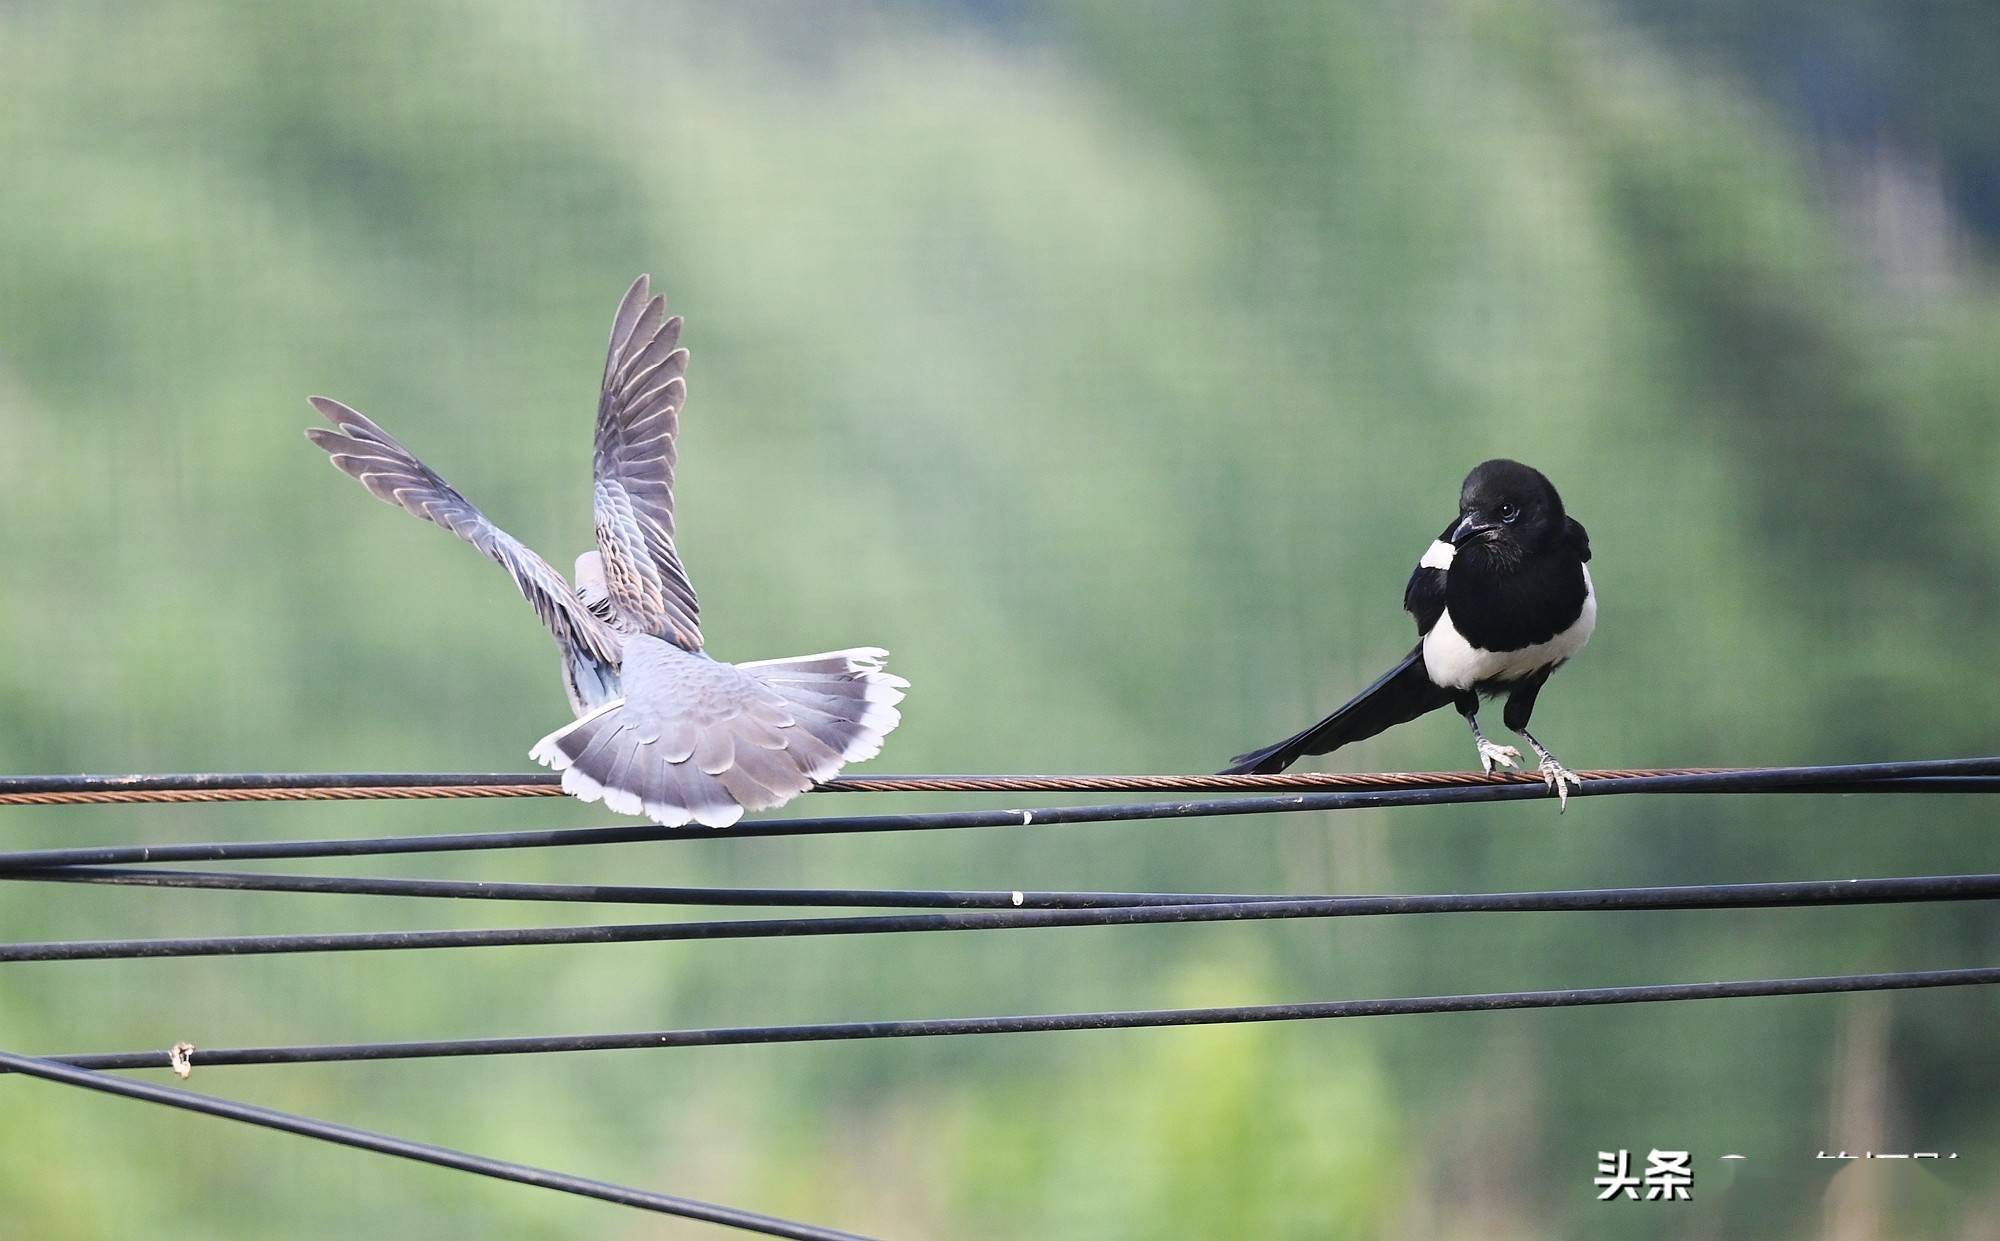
(1455, 663)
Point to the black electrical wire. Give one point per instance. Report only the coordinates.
(614, 894)
(422, 1152)
(1937, 776)
(1698, 896)
(952, 1026)
(200, 781)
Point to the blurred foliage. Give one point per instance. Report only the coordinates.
(1109, 364)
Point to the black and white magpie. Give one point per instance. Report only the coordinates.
(1501, 599)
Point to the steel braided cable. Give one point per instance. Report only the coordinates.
(114, 790)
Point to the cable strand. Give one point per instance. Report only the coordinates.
(421, 1152)
(614, 894)
(1687, 897)
(1040, 1023)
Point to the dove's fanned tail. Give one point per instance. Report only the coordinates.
(695, 740)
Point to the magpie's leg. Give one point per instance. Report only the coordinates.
(1490, 754)
(1520, 705)
(1560, 778)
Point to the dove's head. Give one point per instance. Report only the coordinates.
(590, 587)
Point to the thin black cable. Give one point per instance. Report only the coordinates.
(848, 898)
(196, 781)
(615, 894)
(952, 1026)
(422, 1152)
(1818, 892)
(1920, 777)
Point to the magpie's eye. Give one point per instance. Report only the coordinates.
(1509, 512)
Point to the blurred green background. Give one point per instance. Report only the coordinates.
(1110, 364)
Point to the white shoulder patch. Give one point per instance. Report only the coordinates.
(1438, 556)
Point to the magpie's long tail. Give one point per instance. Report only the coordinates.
(1401, 694)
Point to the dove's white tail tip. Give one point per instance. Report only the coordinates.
(792, 724)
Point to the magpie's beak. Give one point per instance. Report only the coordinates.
(1467, 529)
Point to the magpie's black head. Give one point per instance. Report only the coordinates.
(1509, 510)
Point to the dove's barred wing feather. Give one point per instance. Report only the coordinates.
(638, 416)
(393, 474)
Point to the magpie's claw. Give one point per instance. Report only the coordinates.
(1560, 780)
(1492, 754)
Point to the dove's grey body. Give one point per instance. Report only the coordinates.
(663, 729)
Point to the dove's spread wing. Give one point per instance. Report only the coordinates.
(638, 415)
(374, 458)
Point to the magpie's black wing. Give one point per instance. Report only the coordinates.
(1578, 539)
(1423, 598)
